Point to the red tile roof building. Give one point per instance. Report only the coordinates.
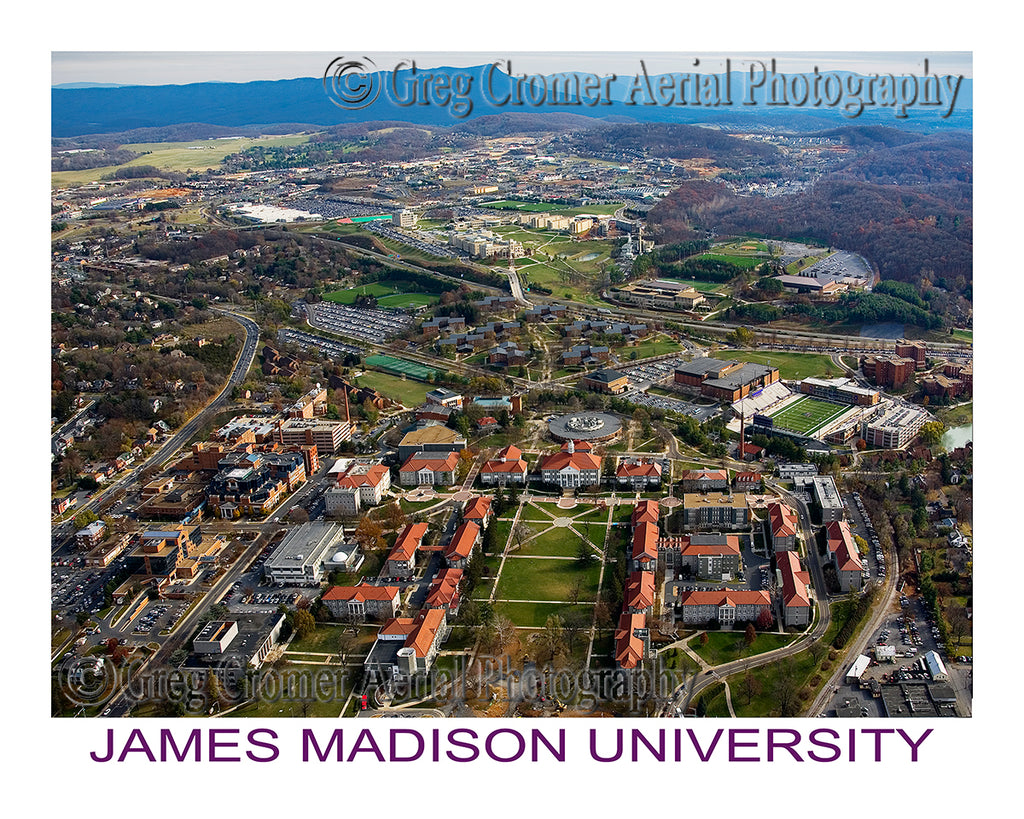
(401, 560)
(574, 466)
(746, 481)
(726, 607)
(444, 591)
(420, 639)
(639, 474)
(844, 555)
(639, 593)
(360, 485)
(478, 510)
(645, 547)
(781, 525)
(646, 511)
(507, 466)
(795, 592)
(459, 550)
(631, 640)
(356, 603)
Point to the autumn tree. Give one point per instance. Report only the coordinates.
(750, 634)
(303, 623)
(369, 535)
(576, 621)
(751, 686)
(347, 641)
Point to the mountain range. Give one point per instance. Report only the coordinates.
(83, 108)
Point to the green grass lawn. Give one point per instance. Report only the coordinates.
(557, 541)
(196, 155)
(726, 646)
(392, 294)
(535, 579)
(502, 531)
(325, 637)
(791, 365)
(594, 514)
(745, 262)
(807, 416)
(704, 287)
(408, 300)
(656, 345)
(550, 509)
(409, 506)
(534, 615)
(956, 416)
(349, 296)
(411, 393)
(298, 690)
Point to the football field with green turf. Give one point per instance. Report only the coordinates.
(807, 415)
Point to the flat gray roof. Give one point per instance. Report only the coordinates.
(304, 544)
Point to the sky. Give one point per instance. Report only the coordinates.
(182, 67)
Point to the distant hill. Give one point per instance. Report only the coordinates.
(83, 108)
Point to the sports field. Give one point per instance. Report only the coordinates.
(807, 415)
(388, 295)
(400, 366)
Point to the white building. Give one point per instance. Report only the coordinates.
(860, 665)
(299, 558)
(936, 668)
(361, 485)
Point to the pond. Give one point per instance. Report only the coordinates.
(590, 257)
(957, 436)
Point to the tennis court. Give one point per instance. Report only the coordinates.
(808, 415)
(399, 366)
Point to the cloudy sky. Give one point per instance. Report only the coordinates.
(180, 67)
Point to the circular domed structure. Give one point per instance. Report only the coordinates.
(585, 426)
(339, 557)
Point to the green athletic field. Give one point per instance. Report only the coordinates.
(807, 415)
(399, 366)
(388, 295)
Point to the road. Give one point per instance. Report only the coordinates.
(880, 611)
(121, 703)
(159, 458)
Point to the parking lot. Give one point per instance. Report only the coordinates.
(860, 524)
(371, 324)
(328, 346)
(663, 402)
(912, 633)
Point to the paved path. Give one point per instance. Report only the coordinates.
(728, 699)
